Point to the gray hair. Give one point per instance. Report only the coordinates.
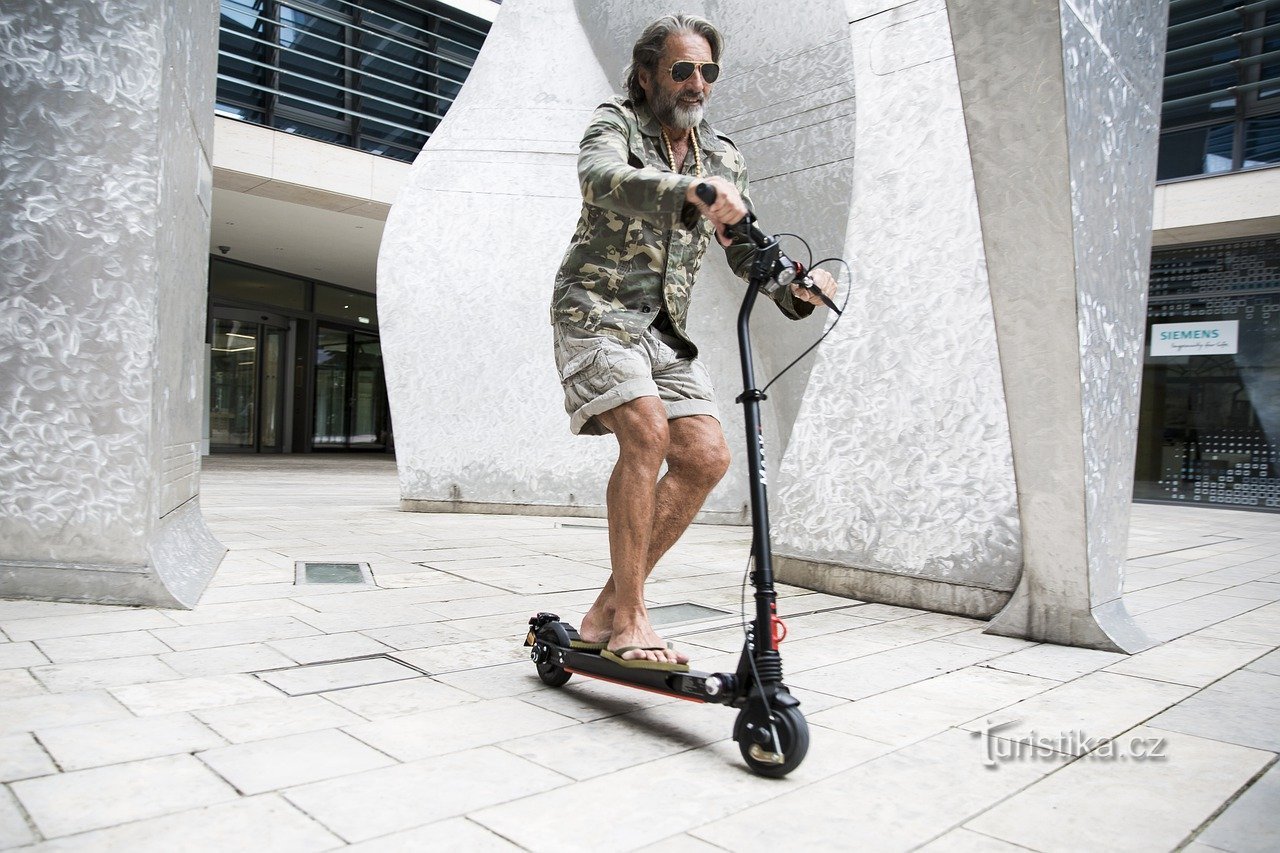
(648, 48)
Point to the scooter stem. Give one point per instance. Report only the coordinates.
(761, 550)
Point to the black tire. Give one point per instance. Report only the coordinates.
(553, 676)
(793, 737)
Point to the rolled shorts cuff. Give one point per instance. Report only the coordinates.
(632, 389)
(689, 408)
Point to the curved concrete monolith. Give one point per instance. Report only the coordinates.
(1064, 154)
(104, 227)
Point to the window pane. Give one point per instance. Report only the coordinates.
(233, 383)
(1209, 428)
(1197, 151)
(1262, 141)
(312, 40)
(311, 131)
(244, 50)
(337, 63)
(355, 307)
(246, 284)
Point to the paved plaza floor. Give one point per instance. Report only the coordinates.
(406, 716)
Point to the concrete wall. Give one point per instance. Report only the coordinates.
(898, 482)
(473, 242)
(1218, 207)
(1064, 157)
(104, 204)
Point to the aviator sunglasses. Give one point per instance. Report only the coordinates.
(684, 69)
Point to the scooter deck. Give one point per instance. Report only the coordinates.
(689, 685)
(557, 652)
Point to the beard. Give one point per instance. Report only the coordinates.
(668, 109)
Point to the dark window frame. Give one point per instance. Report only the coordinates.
(384, 104)
(1246, 42)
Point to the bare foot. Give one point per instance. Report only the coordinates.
(637, 631)
(596, 625)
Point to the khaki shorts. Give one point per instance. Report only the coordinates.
(600, 373)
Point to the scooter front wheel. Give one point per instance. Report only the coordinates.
(756, 742)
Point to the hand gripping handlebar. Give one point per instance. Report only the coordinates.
(785, 271)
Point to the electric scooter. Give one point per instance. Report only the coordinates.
(770, 730)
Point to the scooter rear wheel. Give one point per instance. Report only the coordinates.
(793, 740)
(552, 675)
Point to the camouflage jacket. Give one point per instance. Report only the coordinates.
(638, 243)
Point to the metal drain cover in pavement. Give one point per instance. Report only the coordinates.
(671, 614)
(322, 676)
(344, 573)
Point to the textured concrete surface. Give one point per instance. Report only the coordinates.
(105, 209)
(148, 729)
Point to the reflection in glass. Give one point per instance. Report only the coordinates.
(350, 391)
(1209, 428)
(348, 305)
(272, 389)
(248, 284)
(331, 388)
(1262, 141)
(233, 386)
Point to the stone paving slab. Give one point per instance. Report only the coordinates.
(363, 806)
(130, 739)
(1242, 708)
(81, 800)
(1126, 802)
(1251, 824)
(896, 805)
(264, 823)
(23, 757)
(17, 655)
(162, 722)
(267, 765)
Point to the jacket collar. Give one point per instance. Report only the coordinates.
(649, 126)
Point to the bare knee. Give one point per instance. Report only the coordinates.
(698, 453)
(641, 429)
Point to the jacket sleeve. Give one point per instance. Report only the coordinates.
(742, 251)
(610, 181)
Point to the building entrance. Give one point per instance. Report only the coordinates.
(246, 387)
(351, 410)
(295, 364)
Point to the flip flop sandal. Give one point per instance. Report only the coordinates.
(616, 655)
(585, 646)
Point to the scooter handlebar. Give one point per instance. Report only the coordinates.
(746, 226)
(786, 270)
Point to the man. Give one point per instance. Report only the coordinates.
(619, 311)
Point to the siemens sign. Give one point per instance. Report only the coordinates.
(1217, 338)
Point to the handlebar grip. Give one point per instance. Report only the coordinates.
(746, 226)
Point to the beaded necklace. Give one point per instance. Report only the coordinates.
(671, 157)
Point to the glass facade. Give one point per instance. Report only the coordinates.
(1209, 429)
(377, 75)
(1221, 109)
(295, 365)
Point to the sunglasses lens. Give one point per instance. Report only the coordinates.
(710, 71)
(681, 71)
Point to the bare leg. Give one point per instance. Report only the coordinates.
(644, 520)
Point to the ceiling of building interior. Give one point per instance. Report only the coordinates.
(338, 248)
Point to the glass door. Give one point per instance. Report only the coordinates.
(351, 409)
(246, 392)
